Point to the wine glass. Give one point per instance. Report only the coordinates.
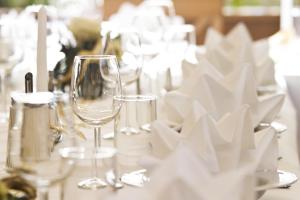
(32, 152)
(95, 82)
(126, 45)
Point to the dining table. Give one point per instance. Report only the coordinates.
(288, 152)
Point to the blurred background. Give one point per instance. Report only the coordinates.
(262, 17)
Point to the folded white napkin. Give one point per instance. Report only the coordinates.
(183, 176)
(221, 145)
(176, 107)
(220, 94)
(265, 70)
(231, 51)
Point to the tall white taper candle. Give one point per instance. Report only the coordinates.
(42, 72)
(286, 17)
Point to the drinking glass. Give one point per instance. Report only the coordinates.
(136, 116)
(32, 152)
(95, 82)
(126, 45)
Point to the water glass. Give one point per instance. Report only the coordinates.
(133, 131)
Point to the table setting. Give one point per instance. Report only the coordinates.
(133, 108)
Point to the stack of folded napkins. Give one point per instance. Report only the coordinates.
(230, 73)
(221, 145)
(213, 114)
(236, 48)
(183, 176)
(205, 141)
(205, 157)
(220, 94)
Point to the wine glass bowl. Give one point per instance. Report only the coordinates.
(94, 83)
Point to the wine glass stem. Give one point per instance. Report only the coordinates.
(97, 137)
(126, 113)
(43, 194)
(127, 116)
(138, 86)
(97, 144)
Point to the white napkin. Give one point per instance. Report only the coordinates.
(221, 94)
(265, 70)
(177, 106)
(183, 176)
(201, 66)
(221, 145)
(230, 51)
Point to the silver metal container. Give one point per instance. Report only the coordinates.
(30, 127)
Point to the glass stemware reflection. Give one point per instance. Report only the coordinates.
(95, 82)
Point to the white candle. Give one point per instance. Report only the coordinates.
(42, 72)
(286, 18)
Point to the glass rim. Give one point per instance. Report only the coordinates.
(87, 153)
(136, 98)
(96, 57)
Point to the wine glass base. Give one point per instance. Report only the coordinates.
(108, 136)
(92, 184)
(146, 127)
(113, 181)
(118, 185)
(130, 131)
(135, 179)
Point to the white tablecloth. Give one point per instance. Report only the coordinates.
(287, 148)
